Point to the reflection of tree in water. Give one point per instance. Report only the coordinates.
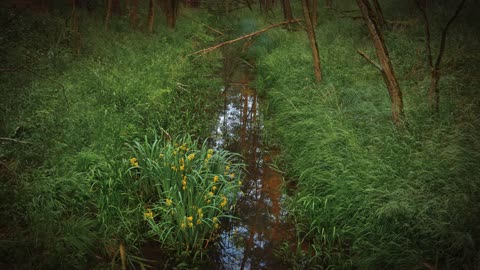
(249, 243)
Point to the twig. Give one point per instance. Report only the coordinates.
(375, 64)
(14, 140)
(13, 69)
(209, 49)
(209, 27)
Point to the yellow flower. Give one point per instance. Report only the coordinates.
(210, 151)
(134, 162)
(214, 188)
(227, 168)
(182, 167)
(190, 157)
(224, 201)
(200, 215)
(190, 218)
(184, 187)
(215, 219)
(182, 225)
(174, 152)
(209, 201)
(148, 214)
(181, 160)
(184, 183)
(161, 155)
(216, 225)
(215, 178)
(190, 224)
(168, 202)
(209, 156)
(232, 175)
(210, 194)
(199, 210)
(199, 222)
(174, 168)
(240, 182)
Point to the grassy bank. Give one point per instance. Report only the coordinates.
(76, 191)
(371, 196)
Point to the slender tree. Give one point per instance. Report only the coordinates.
(151, 16)
(133, 13)
(109, 14)
(312, 40)
(314, 12)
(378, 13)
(385, 66)
(433, 91)
(287, 10)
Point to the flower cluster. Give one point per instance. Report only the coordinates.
(134, 162)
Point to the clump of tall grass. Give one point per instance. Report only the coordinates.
(174, 192)
(370, 196)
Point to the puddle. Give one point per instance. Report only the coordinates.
(250, 242)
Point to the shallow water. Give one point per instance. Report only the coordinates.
(250, 242)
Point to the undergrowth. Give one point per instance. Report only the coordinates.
(370, 196)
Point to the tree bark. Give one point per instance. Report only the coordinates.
(378, 13)
(133, 13)
(313, 41)
(433, 91)
(151, 16)
(109, 14)
(314, 12)
(287, 10)
(388, 73)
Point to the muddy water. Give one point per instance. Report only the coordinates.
(250, 242)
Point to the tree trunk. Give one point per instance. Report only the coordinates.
(433, 93)
(328, 3)
(314, 12)
(133, 13)
(109, 14)
(287, 10)
(378, 13)
(313, 41)
(385, 63)
(151, 16)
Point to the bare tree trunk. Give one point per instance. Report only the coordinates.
(313, 41)
(385, 63)
(109, 14)
(314, 12)
(133, 13)
(287, 10)
(378, 13)
(433, 91)
(151, 16)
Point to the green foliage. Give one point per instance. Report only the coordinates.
(370, 196)
(187, 190)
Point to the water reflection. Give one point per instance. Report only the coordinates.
(249, 243)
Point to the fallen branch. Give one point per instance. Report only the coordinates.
(14, 140)
(375, 64)
(209, 49)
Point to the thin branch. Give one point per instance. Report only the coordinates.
(209, 49)
(14, 140)
(375, 64)
(427, 32)
(444, 34)
(209, 27)
(14, 69)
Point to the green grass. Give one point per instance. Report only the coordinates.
(66, 197)
(370, 196)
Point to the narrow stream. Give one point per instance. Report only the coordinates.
(250, 242)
